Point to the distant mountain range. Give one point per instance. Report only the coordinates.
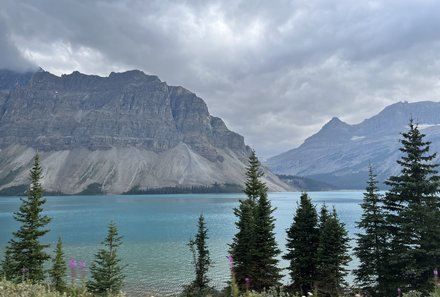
(127, 132)
(339, 154)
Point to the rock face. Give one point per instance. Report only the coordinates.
(128, 130)
(339, 153)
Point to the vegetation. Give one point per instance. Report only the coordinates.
(27, 289)
(302, 246)
(25, 255)
(332, 254)
(254, 248)
(106, 270)
(371, 244)
(59, 267)
(214, 188)
(201, 259)
(412, 210)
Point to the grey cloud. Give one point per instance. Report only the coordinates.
(10, 57)
(274, 71)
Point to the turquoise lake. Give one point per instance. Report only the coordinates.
(156, 230)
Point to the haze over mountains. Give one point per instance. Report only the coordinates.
(118, 133)
(339, 153)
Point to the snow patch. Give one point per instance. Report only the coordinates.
(354, 138)
(425, 126)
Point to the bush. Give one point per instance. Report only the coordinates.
(26, 289)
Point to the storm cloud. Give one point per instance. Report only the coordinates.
(275, 71)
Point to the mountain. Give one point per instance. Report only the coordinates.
(339, 153)
(128, 131)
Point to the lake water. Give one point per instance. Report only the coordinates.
(156, 230)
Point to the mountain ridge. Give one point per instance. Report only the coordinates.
(339, 153)
(81, 125)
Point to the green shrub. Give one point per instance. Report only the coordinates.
(26, 289)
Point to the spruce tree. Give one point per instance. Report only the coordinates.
(106, 270)
(25, 255)
(266, 273)
(59, 267)
(254, 249)
(243, 242)
(202, 260)
(371, 244)
(412, 209)
(332, 255)
(302, 246)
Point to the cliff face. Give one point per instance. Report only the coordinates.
(128, 130)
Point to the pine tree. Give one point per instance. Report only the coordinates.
(266, 273)
(243, 241)
(371, 244)
(302, 246)
(412, 210)
(254, 248)
(332, 255)
(106, 270)
(25, 255)
(59, 267)
(202, 260)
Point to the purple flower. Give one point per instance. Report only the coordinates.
(230, 259)
(398, 291)
(82, 264)
(72, 263)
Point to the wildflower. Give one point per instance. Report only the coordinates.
(398, 291)
(82, 264)
(310, 293)
(72, 263)
(435, 274)
(231, 261)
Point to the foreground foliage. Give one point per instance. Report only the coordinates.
(25, 254)
(201, 259)
(254, 249)
(27, 289)
(106, 270)
(371, 243)
(412, 210)
(302, 246)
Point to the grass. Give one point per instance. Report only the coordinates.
(26, 289)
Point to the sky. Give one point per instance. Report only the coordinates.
(274, 71)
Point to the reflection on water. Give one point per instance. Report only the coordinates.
(156, 230)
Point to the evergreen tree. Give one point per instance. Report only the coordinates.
(254, 248)
(58, 271)
(371, 244)
(200, 252)
(7, 267)
(266, 273)
(106, 270)
(25, 255)
(323, 216)
(332, 255)
(302, 246)
(243, 241)
(412, 210)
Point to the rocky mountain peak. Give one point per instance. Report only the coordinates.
(126, 130)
